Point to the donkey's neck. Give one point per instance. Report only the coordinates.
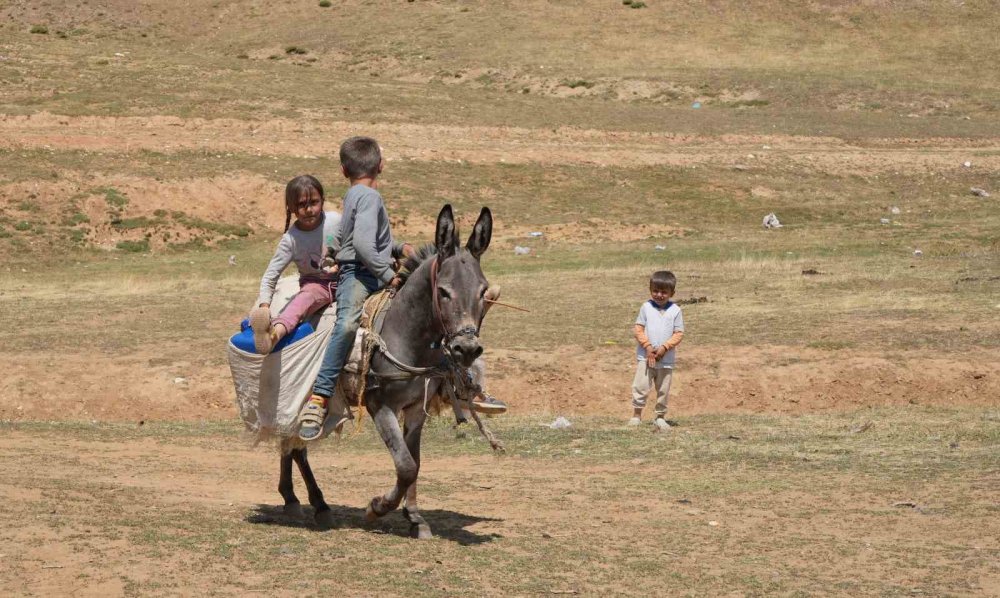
(411, 331)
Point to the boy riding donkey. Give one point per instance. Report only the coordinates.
(365, 251)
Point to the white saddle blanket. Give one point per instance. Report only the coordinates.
(271, 389)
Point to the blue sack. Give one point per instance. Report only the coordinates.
(243, 340)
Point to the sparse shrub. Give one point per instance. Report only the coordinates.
(133, 246)
(102, 62)
(578, 83)
(637, 5)
(5, 234)
(115, 198)
(160, 213)
(27, 205)
(274, 57)
(295, 50)
(131, 223)
(39, 29)
(77, 235)
(325, 3)
(627, 2)
(525, 90)
(22, 226)
(243, 56)
(750, 103)
(62, 35)
(77, 218)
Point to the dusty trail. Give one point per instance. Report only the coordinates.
(497, 144)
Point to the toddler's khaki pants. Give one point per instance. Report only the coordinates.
(646, 379)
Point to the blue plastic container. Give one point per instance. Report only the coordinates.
(243, 340)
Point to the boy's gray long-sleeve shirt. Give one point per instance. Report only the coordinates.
(364, 236)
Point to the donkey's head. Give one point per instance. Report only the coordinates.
(459, 284)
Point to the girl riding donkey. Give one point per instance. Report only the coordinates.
(305, 242)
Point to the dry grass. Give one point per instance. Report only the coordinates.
(765, 504)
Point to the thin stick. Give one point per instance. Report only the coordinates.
(508, 305)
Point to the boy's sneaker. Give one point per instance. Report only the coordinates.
(489, 404)
(635, 421)
(260, 323)
(661, 424)
(311, 418)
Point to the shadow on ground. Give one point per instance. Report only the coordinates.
(445, 524)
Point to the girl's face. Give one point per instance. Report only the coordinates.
(308, 210)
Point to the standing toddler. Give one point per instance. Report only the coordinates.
(659, 328)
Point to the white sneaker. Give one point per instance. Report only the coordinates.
(635, 421)
(661, 424)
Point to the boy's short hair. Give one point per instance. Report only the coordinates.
(360, 157)
(663, 280)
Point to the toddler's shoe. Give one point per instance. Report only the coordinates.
(661, 424)
(260, 323)
(635, 421)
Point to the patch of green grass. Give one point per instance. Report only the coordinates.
(128, 246)
(325, 3)
(114, 198)
(22, 226)
(220, 228)
(75, 219)
(137, 222)
(39, 29)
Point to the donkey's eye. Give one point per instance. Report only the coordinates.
(444, 293)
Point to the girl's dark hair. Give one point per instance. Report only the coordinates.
(294, 190)
(663, 280)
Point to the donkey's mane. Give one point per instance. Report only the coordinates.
(424, 253)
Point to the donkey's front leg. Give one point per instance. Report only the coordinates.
(406, 468)
(413, 425)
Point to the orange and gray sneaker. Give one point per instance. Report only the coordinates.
(488, 404)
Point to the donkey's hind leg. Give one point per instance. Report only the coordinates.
(292, 506)
(324, 516)
(413, 426)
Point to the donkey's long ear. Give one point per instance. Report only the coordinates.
(479, 240)
(446, 235)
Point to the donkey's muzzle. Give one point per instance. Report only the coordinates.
(465, 349)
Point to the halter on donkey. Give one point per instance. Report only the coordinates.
(429, 338)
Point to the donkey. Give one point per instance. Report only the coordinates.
(432, 322)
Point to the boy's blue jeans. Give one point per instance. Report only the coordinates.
(355, 285)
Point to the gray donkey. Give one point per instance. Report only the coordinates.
(430, 337)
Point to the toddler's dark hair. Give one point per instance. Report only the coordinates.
(360, 157)
(294, 190)
(663, 280)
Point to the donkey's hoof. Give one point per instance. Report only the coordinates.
(324, 519)
(293, 509)
(421, 531)
(371, 513)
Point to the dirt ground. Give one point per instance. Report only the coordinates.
(834, 434)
